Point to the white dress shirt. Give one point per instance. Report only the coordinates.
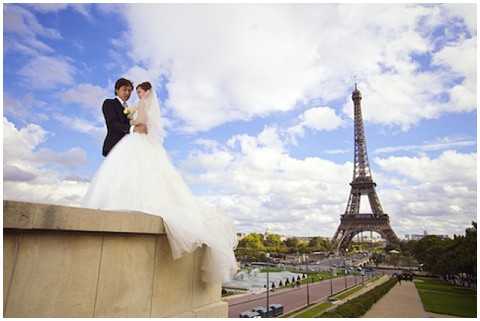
(122, 102)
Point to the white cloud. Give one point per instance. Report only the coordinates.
(29, 46)
(465, 11)
(21, 21)
(109, 8)
(47, 72)
(439, 144)
(33, 173)
(138, 75)
(433, 194)
(337, 151)
(24, 25)
(26, 108)
(317, 118)
(254, 179)
(82, 125)
(82, 8)
(461, 60)
(21, 142)
(71, 158)
(450, 166)
(88, 96)
(22, 147)
(207, 143)
(16, 174)
(231, 62)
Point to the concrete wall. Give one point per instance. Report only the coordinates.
(72, 262)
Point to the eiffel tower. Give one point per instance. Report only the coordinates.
(352, 222)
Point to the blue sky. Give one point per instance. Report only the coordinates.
(256, 103)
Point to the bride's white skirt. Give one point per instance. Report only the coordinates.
(137, 175)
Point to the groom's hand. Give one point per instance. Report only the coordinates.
(140, 128)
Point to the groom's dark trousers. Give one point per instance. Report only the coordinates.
(117, 122)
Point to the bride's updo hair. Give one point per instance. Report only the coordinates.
(145, 85)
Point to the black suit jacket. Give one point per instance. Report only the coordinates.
(117, 122)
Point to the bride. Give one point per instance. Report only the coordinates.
(137, 176)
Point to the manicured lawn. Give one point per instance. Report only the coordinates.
(315, 277)
(318, 276)
(359, 305)
(346, 293)
(441, 297)
(271, 269)
(318, 309)
(342, 295)
(314, 311)
(287, 315)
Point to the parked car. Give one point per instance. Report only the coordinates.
(276, 310)
(249, 314)
(407, 276)
(262, 311)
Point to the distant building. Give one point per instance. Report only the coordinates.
(319, 255)
(368, 237)
(414, 237)
(308, 238)
(417, 237)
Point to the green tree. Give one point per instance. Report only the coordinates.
(273, 240)
(319, 244)
(292, 244)
(449, 257)
(252, 241)
(303, 247)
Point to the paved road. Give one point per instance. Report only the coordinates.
(291, 299)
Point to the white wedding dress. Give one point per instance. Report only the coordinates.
(137, 175)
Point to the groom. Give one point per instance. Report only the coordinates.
(118, 124)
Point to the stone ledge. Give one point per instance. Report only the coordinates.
(64, 261)
(37, 216)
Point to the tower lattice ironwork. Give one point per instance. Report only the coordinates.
(352, 221)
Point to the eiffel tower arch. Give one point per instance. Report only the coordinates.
(352, 221)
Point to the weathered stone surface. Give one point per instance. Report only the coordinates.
(55, 275)
(10, 244)
(72, 262)
(214, 310)
(173, 286)
(54, 217)
(126, 276)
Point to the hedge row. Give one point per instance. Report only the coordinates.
(361, 304)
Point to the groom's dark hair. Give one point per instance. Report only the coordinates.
(122, 82)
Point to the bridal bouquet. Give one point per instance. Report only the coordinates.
(129, 112)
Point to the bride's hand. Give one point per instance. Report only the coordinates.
(140, 128)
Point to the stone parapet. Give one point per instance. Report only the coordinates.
(64, 261)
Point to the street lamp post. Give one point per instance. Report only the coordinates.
(268, 292)
(308, 288)
(331, 286)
